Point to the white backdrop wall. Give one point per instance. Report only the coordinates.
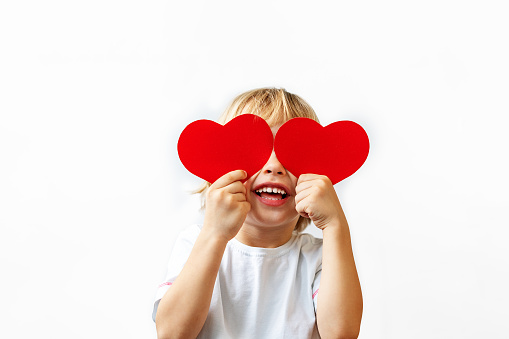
(93, 96)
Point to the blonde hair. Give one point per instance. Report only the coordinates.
(276, 106)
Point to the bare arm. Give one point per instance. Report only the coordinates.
(339, 309)
(183, 309)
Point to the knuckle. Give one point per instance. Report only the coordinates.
(325, 180)
(228, 198)
(209, 195)
(217, 195)
(322, 186)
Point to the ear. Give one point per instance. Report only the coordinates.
(338, 150)
(210, 150)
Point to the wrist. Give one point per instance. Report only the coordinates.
(213, 235)
(335, 227)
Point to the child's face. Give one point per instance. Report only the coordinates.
(271, 193)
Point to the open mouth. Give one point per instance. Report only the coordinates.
(271, 193)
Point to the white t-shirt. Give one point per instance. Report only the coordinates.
(259, 292)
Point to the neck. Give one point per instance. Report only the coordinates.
(267, 237)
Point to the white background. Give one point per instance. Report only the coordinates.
(93, 96)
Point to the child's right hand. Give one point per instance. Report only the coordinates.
(226, 206)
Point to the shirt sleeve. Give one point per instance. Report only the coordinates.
(178, 257)
(316, 284)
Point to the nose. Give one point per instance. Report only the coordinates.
(273, 166)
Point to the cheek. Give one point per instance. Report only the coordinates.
(248, 185)
(293, 178)
(294, 181)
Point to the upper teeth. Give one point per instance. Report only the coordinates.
(271, 190)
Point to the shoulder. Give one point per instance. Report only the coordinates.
(309, 246)
(308, 241)
(186, 238)
(189, 233)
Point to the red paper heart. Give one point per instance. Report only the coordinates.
(338, 150)
(210, 150)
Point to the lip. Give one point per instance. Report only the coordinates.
(270, 202)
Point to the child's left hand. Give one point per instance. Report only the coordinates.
(316, 199)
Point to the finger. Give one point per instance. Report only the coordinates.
(240, 197)
(306, 177)
(304, 186)
(303, 194)
(236, 187)
(310, 176)
(302, 208)
(228, 178)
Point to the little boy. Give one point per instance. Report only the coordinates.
(249, 272)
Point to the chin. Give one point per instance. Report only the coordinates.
(272, 221)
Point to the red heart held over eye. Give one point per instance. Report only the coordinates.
(338, 150)
(210, 150)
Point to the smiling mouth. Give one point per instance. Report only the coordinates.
(271, 193)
